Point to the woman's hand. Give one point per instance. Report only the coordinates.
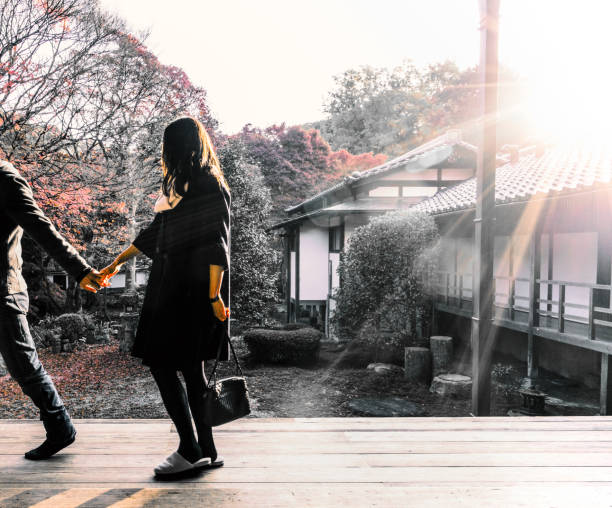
(111, 270)
(220, 310)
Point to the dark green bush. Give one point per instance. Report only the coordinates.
(290, 347)
(383, 272)
(289, 326)
(359, 353)
(67, 327)
(255, 263)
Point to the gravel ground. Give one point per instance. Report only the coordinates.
(101, 382)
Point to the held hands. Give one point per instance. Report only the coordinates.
(111, 270)
(93, 281)
(220, 310)
(96, 280)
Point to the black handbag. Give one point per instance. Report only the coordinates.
(227, 399)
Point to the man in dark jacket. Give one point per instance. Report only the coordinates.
(18, 212)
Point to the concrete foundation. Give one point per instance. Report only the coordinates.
(571, 362)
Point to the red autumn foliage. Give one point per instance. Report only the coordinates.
(78, 376)
(297, 163)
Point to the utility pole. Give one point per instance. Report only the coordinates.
(483, 337)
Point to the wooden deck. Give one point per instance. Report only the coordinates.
(387, 462)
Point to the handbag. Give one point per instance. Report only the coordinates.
(227, 399)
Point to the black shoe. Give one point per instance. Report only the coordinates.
(60, 433)
(49, 448)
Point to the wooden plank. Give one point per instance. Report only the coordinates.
(324, 462)
(574, 340)
(338, 437)
(412, 475)
(141, 498)
(26, 432)
(312, 460)
(383, 447)
(296, 495)
(70, 498)
(387, 447)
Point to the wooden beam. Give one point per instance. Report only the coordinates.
(511, 283)
(483, 337)
(551, 251)
(288, 240)
(535, 256)
(297, 274)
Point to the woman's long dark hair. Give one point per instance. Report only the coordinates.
(187, 150)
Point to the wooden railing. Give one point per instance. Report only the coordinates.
(451, 290)
(562, 306)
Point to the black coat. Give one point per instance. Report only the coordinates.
(19, 211)
(177, 325)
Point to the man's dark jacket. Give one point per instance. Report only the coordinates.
(19, 211)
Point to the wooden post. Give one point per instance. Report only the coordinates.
(601, 297)
(533, 320)
(550, 276)
(483, 338)
(297, 274)
(591, 328)
(605, 395)
(447, 289)
(511, 282)
(288, 240)
(561, 308)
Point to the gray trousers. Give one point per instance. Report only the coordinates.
(19, 353)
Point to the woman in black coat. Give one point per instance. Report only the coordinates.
(184, 317)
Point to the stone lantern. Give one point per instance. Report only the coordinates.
(129, 320)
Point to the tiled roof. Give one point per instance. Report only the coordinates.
(560, 170)
(452, 137)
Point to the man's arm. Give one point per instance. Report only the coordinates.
(21, 206)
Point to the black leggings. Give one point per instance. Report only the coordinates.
(178, 404)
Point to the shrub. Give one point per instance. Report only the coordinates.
(289, 326)
(359, 353)
(382, 273)
(254, 270)
(292, 347)
(69, 328)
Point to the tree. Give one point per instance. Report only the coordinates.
(150, 96)
(382, 273)
(373, 109)
(254, 260)
(393, 110)
(297, 163)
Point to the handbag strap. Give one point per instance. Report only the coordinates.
(213, 373)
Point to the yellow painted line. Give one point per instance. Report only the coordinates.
(139, 498)
(70, 498)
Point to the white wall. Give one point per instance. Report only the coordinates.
(334, 257)
(293, 274)
(501, 268)
(314, 249)
(426, 174)
(383, 191)
(575, 260)
(465, 264)
(118, 281)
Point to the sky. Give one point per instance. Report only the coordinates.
(271, 61)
